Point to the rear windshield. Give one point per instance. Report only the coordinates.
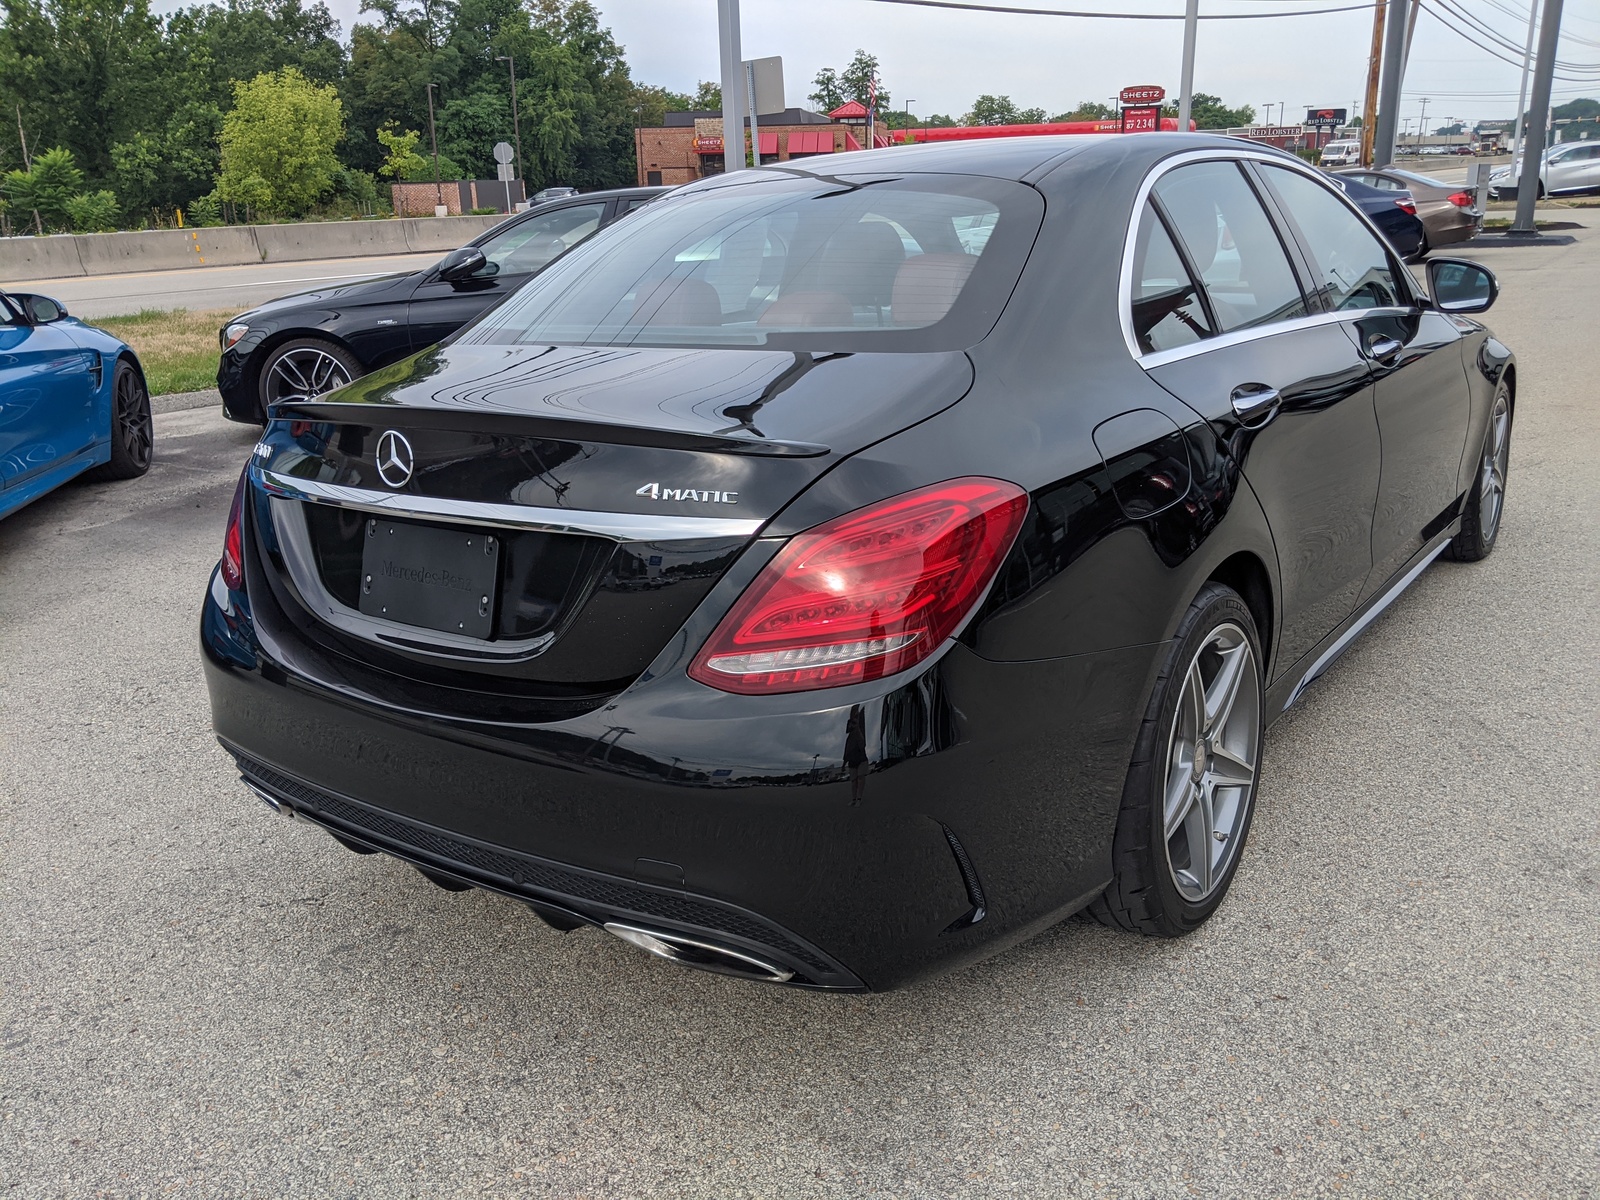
(789, 261)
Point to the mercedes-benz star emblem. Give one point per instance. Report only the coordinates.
(394, 458)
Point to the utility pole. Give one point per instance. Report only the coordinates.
(1191, 24)
(516, 121)
(1422, 121)
(1527, 66)
(1394, 70)
(732, 85)
(1533, 152)
(1370, 116)
(433, 135)
(750, 104)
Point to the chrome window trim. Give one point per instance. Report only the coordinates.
(1155, 358)
(620, 527)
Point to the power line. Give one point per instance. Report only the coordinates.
(1120, 16)
(1437, 15)
(1500, 38)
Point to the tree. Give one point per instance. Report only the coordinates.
(652, 104)
(828, 95)
(278, 143)
(93, 212)
(992, 110)
(1088, 110)
(401, 160)
(855, 82)
(47, 189)
(1576, 110)
(941, 121)
(707, 97)
(1208, 112)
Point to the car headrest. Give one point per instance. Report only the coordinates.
(927, 285)
(809, 310)
(677, 302)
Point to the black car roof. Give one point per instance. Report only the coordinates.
(1021, 158)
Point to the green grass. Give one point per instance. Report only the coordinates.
(177, 347)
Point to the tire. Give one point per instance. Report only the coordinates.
(302, 368)
(132, 428)
(1167, 884)
(1486, 503)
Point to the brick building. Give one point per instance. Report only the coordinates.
(689, 145)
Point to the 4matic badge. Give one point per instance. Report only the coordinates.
(656, 492)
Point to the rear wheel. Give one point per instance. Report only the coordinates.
(1190, 792)
(304, 368)
(1480, 522)
(132, 427)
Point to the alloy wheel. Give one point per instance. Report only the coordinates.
(1212, 757)
(1492, 472)
(134, 424)
(304, 373)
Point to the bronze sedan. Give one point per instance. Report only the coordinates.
(1446, 212)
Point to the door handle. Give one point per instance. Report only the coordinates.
(1381, 346)
(1254, 402)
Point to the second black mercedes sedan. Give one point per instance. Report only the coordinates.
(312, 342)
(836, 573)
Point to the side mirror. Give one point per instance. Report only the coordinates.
(459, 264)
(40, 310)
(1460, 286)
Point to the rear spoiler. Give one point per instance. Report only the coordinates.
(540, 426)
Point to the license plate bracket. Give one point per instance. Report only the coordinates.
(432, 576)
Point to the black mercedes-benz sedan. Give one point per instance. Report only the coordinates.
(312, 342)
(836, 573)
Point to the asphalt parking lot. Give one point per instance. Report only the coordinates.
(1398, 999)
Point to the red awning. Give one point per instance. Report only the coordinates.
(769, 143)
(811, 141)
(850, 142)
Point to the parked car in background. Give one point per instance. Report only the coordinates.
(553, 193)
(1444, 210)
(1394, 213)
(983, 566)
(1564, 170)
(312, 342)
(73, 400)
(1341, 154)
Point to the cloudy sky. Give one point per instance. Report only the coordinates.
(941, 60)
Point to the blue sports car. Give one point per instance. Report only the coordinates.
(72, 399)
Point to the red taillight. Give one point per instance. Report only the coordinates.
(1406, 206)
(865, 595)
(233, 539)
(1460, 199)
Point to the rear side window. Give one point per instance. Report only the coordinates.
(1167, 310)
(1354, 269)
(1232, 244)
(790, 261)
(538, 240)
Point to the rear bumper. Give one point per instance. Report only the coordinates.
(862, 839)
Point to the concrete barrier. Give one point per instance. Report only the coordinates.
(39, 258)
(330, 239)
(442, 234)
(65, 255)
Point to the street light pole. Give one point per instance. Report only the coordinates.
(732, 56)
(1191, 23)
(516, 120)
(433, 136)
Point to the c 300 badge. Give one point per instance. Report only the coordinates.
(656, 492)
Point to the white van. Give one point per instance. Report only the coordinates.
(1341, 154)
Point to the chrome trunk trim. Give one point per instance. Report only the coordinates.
(620, 527)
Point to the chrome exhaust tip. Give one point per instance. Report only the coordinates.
(271, 801)
(704, 956)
